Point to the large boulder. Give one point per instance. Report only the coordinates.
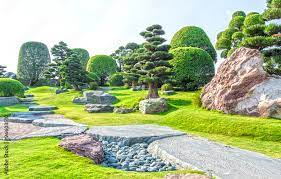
(10, 75)
(7, 101)
(96, 108)
(95, 97)
(84, 145)
(241, 86)
(153, 105)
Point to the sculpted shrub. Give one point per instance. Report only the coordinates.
(10, 87)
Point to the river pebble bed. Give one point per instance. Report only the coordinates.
(132, 158)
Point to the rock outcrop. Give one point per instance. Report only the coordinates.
(7, 101)
(95, 97)
(153, 105)
(84, 145)
(241, 86)
(96, 108)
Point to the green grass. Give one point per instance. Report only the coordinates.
(7, 110)
(42, 158)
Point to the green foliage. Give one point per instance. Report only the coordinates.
(224, 53)
(93, 85)
(223, 43)
(193, 67)
(237, 22)
(272, 60)
(259, 42)
(276, 3)
(72, 72)
(32, 62)
(10, 87)
(239, 13)
(230, 52)
(272, 29)
(93, 77)
(272, 13)
(253, 19)
(254, 30)
(83, 56)
(192, 36)
(166, 87)
(60, 52)
(103, 66)
(116, 79)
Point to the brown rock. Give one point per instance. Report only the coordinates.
(84, 145)
(186, 176)
(241, 84)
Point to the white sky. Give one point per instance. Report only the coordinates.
(100, 26)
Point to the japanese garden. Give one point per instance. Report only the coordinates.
(156, 108)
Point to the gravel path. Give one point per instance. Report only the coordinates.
(223, 161)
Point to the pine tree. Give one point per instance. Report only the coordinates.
(153, 63)
(72, 72)
(60, 52)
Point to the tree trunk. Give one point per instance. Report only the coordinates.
(134, 84)
(152, 90)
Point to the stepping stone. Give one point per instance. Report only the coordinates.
(21, 119)
(26, 99)
(132, 134)
(29, 95)
(31, 113)
(42, 108)
(222, 161)
(55, 122)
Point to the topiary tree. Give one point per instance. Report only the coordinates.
(272, 52)
(153, 60)
(116, 79)
(60, 52)
(72, 72)
(103, 66)
(83, 56)
(193, 67)
(192, 36)
(230, 39)
(2, 71)
(11, 87)
(32, 62)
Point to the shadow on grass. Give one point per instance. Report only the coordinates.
(119, 94)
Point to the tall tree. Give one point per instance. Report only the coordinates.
(33, 60)
(120, 54)
(153, 63)
(83, 56)
(72, 72)
(60, 52)
(2, 71)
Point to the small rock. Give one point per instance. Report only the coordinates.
(153, 105)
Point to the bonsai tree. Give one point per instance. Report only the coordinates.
(122, 52)
(192, 36)
(193, 67)
(2, 71)
(33, 60)
(153, 62)
(229, 39)
(83, 56)
(72, 72)
(272, 54)
(60, 52)
(103, 66)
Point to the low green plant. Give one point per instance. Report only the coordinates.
(116, 79)
(10, 87)
(93, 85)
(166, 87)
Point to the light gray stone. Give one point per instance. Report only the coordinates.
(96, 108)
(99, 97)
(131, 134)
(31, 113)
(20, 119)
(122, 110)
(7, 101)
(224, 161)
(80, 100)
(169, 92)
(153, 105)
(42, 108)
(55, 122)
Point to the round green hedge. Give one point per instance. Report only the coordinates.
(83, 56)
(253, 19)
(239, 13)
(10, 87)
(193, 67)
(237, 22)
(103, 66)
(192, 36)
(116, 79)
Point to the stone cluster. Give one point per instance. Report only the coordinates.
(132, 158)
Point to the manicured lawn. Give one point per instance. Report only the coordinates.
(7, 110)
(258, 134)
(42, 158)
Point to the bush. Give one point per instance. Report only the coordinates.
(224, 53)
(259, 42)
(254, 30)
(192, 36)
(272, 13)
(93, 77)
(33, 60)
(116, 79)
(93, 85)
(237, 22)
(166, 87)
(193, 67)
(83, 56)
(103, 66)
(238, 13)
(272, 29)
(10, 87)
(253, 19)
(230, 52)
